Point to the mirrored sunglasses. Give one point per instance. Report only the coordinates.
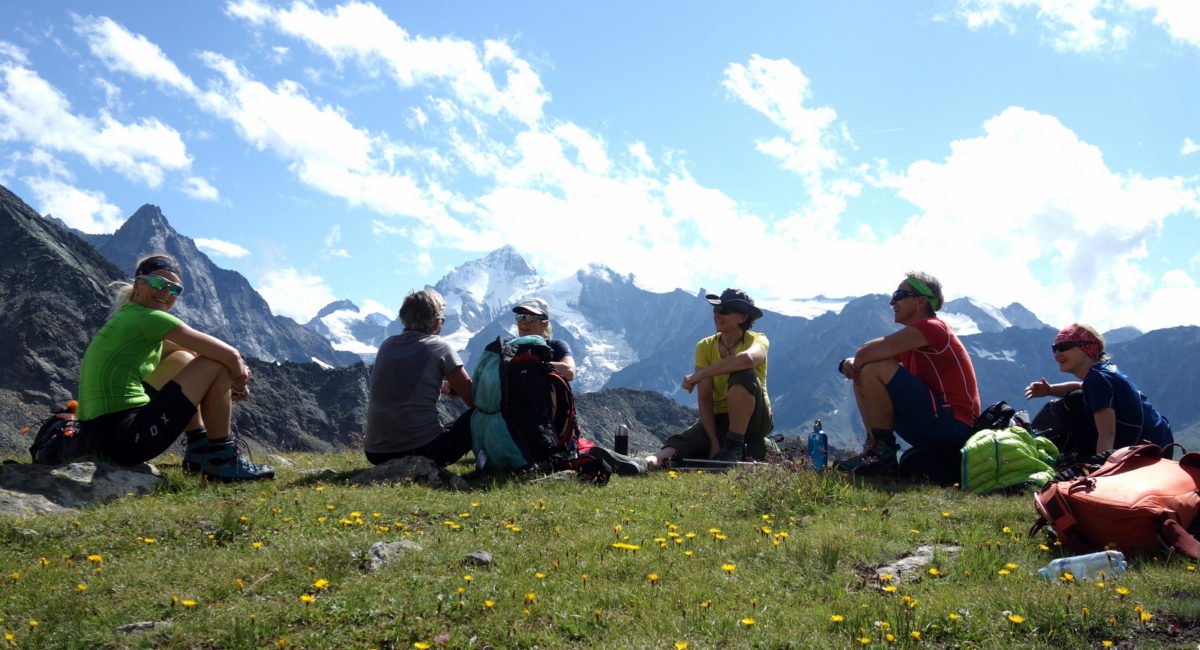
(159, 283)
(529, 318)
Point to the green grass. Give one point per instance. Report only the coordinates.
(778, 557)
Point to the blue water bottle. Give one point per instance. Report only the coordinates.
(818, 446)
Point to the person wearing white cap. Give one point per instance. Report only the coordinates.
(533, 318)
(731, 378)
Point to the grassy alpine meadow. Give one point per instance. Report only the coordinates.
(763, 557)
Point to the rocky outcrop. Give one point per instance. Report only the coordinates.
(53, 297)
(217, 301)
(28, 490)
(411, 469)
(650, 416)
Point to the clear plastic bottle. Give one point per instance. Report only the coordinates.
(818, 447)
(621, 439)
(1086, 567)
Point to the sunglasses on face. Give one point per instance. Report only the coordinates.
(159, 283)
(901, 294)
(724, 311)
(1064, 346)
(528, 318)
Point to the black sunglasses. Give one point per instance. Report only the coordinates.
(725, 311)
(901, 294)
(1064, 346)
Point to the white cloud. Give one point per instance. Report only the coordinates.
(131, 53)
(1076, 24)
(34, 111)
(294, 293)
(778, 89)
(200, 189)
(221, 247)
(335, 236)
(1030, 192)
(84, 210)
(14, 54)
(1180, 18)
(1088, 25)
(1189, 147)
(363, 32)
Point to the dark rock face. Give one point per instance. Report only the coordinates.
(650, 416)
(304, 407)
(217, 301)
(53, 297)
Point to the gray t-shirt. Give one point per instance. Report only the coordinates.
(405, 385)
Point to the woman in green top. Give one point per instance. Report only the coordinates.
(146, 377)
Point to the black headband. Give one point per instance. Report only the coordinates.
(157, 263)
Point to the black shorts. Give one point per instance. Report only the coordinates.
(138, 434)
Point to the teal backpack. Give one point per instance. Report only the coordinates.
(995, 459)
(524, 411)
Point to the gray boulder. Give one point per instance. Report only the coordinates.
(411, 469)
(29, 490)
(380, 554)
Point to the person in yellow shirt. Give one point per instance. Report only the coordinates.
(730, 381)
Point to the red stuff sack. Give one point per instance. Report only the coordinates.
(1137, 501)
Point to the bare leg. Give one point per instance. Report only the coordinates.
(206, 383)
(870, 391)
(167, 368)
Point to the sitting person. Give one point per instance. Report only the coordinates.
(146, 377)
(731, 378)
(1104, 410)
(412, 369)
(533, 318)
(917, 382)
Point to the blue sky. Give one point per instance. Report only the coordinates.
(1022, 150)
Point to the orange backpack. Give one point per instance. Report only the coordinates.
(1136, 501)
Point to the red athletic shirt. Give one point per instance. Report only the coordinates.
(945, 368)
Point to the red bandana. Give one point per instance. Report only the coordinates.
(1088, 342)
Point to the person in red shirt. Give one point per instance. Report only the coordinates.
(917, 382)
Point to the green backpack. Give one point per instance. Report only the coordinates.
(997, 459)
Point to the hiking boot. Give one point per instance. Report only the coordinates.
(194, 451)
(878, 458)
(622, 465)
(224, 463)
(731, 449)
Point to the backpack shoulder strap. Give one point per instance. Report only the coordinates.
(1054, 510)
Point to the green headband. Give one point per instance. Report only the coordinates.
(922, 289)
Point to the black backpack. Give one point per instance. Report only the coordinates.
(54, 436)
(524, 411)
(538, 404)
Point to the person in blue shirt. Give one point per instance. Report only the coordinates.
(1104, 409)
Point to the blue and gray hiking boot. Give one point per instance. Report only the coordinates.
(195, 449)
(224, 463)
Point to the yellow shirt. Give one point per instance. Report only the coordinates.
(708, 352)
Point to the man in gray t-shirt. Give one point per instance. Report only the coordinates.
(412, 369)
